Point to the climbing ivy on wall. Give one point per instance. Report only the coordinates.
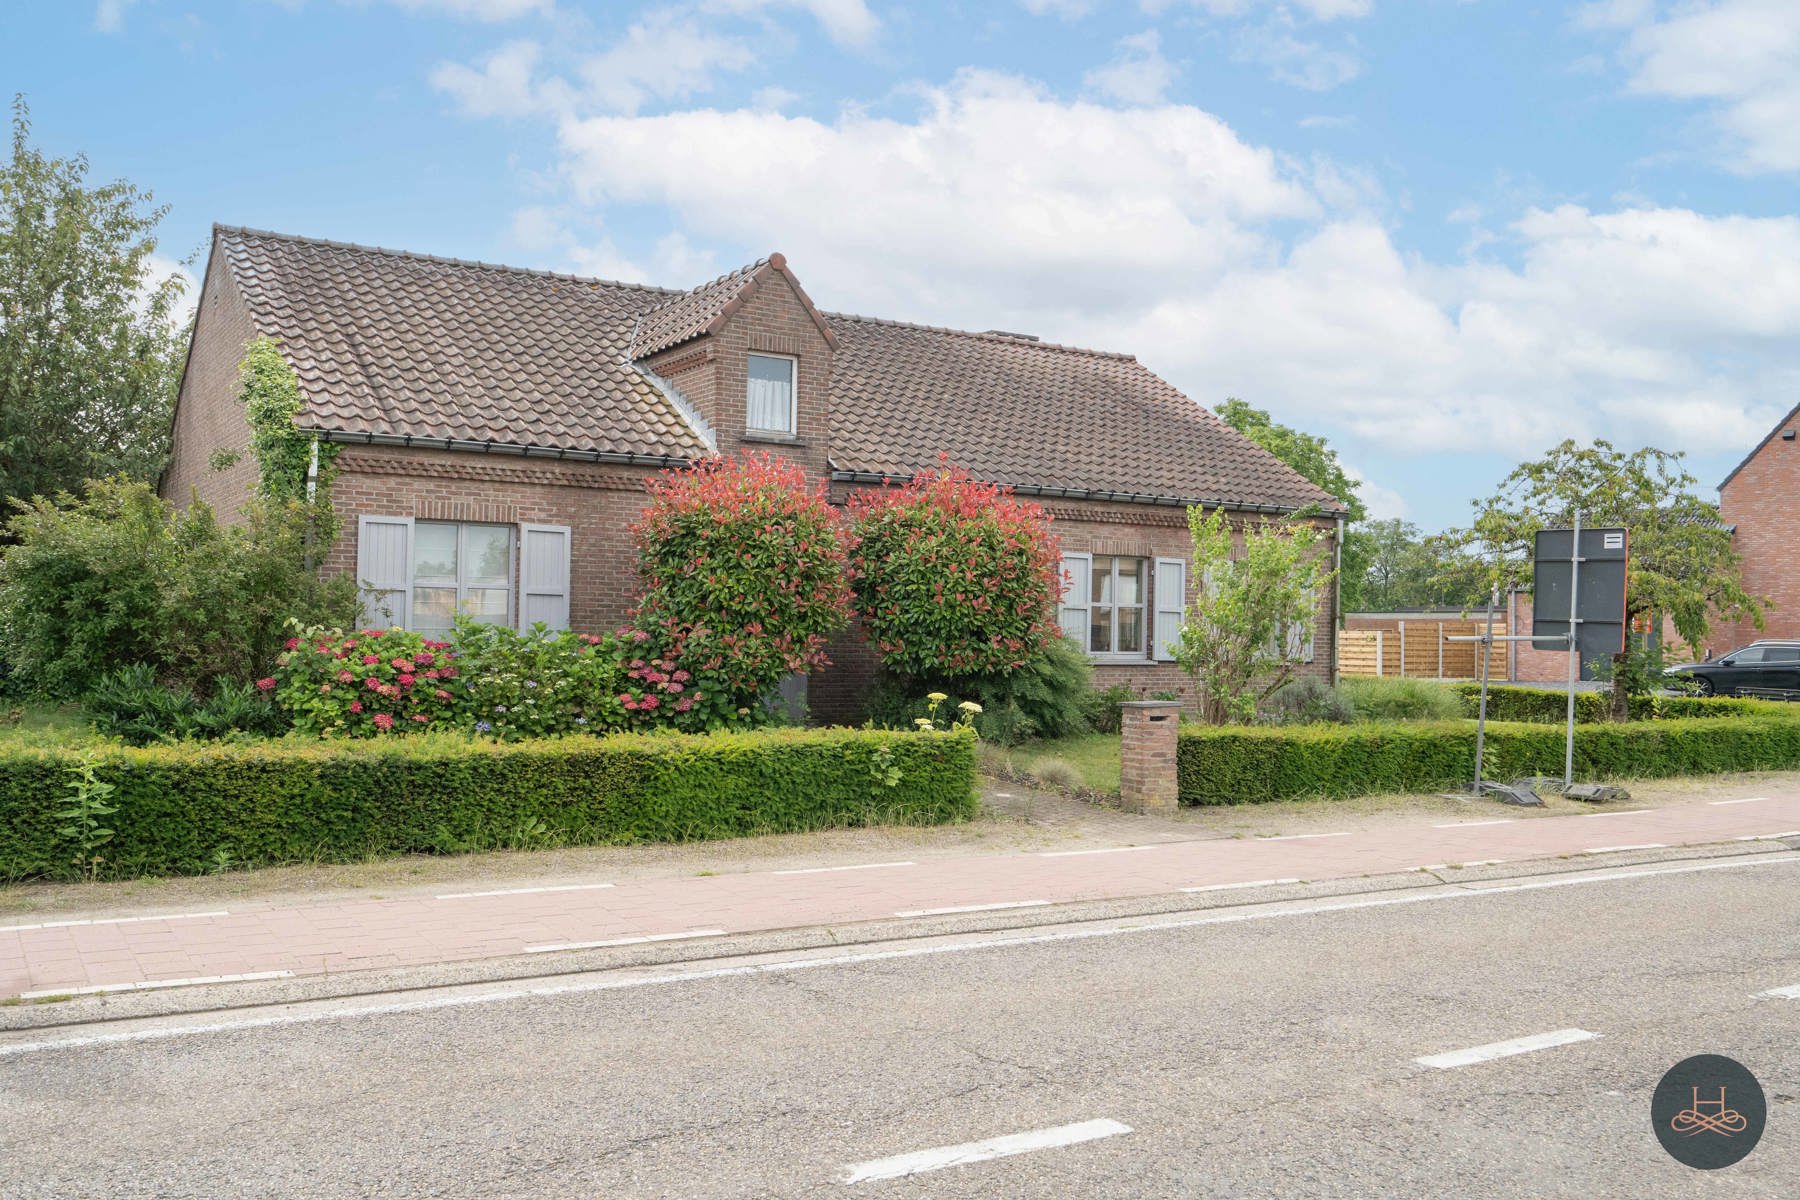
(270, 393)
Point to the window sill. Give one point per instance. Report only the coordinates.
(1121, 660)
(780, 439)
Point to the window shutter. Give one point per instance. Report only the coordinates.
(1171, 595)
(384, 570)
(1077, 571)
(544, 576)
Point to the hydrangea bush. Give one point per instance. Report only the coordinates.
(538, 683)
(366, 683)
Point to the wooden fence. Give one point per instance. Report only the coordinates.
(1418, 650)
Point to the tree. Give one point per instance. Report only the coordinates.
(1682, 565)
(90, 357)
(1313, 458)
(1407, 569)
(1238, 639)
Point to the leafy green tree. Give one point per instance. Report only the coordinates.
(1683, 565)
(1313, 457)
(1407, 569)
(90, 356)
(1238, 637)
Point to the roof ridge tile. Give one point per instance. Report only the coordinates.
(1008, 339)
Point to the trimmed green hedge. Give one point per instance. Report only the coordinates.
(181, 807)
(1250, 764)
(1550, 705)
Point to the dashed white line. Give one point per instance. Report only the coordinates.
(1785, 993)
(1479, 862)
(1617, 849)
(1473, 824)
(1074, 853)
(1294, 837)
(921, 1161)
(1493, 1050)
(527, 891)
(610, 983)
(151, 984)
(1745, 800)
(1220, 887)
(1766, 837)
(1625, 812)
(110, 921)
(626, 941)
(856, 867)
(968, 908)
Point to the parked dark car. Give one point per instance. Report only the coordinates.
(1759, 669)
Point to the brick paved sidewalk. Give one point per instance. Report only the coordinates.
(54, 958)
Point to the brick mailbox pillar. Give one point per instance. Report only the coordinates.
(1147, 754)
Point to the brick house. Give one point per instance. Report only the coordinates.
(497, 427)
(1758, 499)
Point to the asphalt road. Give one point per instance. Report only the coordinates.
(1265, 1057)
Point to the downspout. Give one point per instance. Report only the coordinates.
(312, 492)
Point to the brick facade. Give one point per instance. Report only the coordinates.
(208, 417)
(1762, 499)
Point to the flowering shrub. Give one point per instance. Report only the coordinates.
(954, 577)
(363, 684)
(745, 577)
(537, 683)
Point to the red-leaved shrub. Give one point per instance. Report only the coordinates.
(745, 577)
(954, 577)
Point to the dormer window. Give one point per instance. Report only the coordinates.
(770, 403)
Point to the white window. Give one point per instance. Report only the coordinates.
(420, 574)
(1296, 639)
(770, 403)
(1104, 606)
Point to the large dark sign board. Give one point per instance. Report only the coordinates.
(1600, 604)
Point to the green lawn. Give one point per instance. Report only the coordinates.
(35, 723)
(1092, 757)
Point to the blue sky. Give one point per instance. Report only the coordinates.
(1443, 233)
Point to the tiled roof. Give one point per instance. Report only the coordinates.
(388, 343)
(393, 343)
(1013, 410)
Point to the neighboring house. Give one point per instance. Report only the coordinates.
(498, 426)
(1761, 500)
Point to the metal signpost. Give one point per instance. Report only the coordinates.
(1588, 567)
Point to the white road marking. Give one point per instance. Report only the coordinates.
(1767, 837)
(1220, 887)
(967, 908)
(1480, 862)
(111, 921)
(626, 941)
(152, 984)
(1617, 849)
(1473, 824)
(857, 867)
(1785, 993)
(920, 1161)
(1745, 800)
(1493, 1050)
(526, 891)
(1074, 853)
(1294, 837)
(612, 981)
(1628, 812)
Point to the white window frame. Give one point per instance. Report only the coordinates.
(793, 413)
(1078, 572)
(462, 587)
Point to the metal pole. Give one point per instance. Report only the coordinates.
(1574, 650)
(1487, 653)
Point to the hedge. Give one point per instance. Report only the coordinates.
(185, 809)
(1550, 705)
(1249, 764)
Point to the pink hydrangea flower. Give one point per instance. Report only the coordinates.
(370, 660)
(356, 706)
(267, 685)
(383, 721)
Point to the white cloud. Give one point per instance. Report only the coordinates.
(1293, 59)
(1741, 55)
(1068, 10)
(504, 85)
(109, 15)
(1318, 10)
(847, 22)
(1137, 74)
(1382, 503)
(1158, 230)
(663, 57)
(478, 10)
